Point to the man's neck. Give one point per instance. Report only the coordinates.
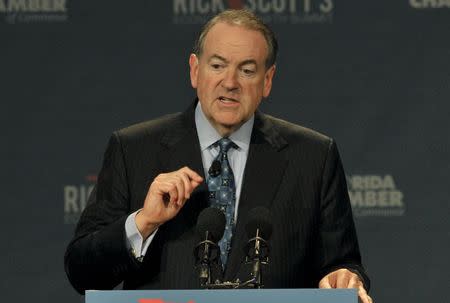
(208, 134)
(224, 131)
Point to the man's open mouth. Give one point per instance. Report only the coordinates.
(226, 99)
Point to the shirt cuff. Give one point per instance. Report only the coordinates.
(135, 242)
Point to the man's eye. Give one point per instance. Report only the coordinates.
(248, 71)
(216, 66)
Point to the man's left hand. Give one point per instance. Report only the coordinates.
(344, 278)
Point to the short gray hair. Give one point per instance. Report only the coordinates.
(247, 19)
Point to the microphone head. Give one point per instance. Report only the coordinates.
(215, 168)
(259, 218)
(211, 220)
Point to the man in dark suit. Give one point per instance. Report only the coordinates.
(139, 225)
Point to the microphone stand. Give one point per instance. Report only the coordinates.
(258, 258)
(256, 269)
(203, 254)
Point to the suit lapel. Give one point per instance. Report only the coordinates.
(263, 174)
(183, 149)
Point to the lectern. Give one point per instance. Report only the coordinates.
(224, 296)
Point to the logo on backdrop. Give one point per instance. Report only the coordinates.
(424, 4)
(271, 11)
(375, 195)
(34, 11)
(76, 197)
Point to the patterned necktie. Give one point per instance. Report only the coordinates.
(222, 193)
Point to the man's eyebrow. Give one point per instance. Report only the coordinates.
(245, 62)
(248, 61)
(215, 56)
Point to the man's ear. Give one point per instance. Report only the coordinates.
(193, 64)
(268, 80)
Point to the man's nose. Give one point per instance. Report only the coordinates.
(230, 81)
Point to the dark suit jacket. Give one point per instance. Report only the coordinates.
(293, 171)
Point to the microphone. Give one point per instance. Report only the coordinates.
(210, 227)
(215, 168)
(259, 230)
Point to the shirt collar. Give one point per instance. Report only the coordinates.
(208, 135)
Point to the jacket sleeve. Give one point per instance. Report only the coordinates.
(338, 240)
(97, 257)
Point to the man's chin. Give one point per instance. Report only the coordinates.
(226, 127)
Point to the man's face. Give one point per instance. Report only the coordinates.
(230, 76)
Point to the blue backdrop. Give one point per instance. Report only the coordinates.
(375, 75)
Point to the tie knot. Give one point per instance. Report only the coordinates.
(225, 144)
